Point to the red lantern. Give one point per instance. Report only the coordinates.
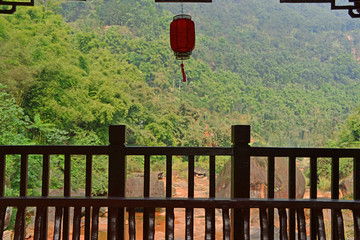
(182, 38)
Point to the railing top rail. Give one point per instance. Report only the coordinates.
(54, 149)
(217, 151)
(179, 202)
(207, 151)
(304, 152)
(104, 150)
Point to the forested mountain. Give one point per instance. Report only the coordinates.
(68, 70)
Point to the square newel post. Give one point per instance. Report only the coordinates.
(240, 179)
(117, 180)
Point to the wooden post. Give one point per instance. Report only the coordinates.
(117, 180)
(240, 179)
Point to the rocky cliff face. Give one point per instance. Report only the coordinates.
(135, 186)
(258, 179)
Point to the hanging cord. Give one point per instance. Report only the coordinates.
(182, 62)
(183, 71)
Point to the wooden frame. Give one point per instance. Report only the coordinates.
(354, 5)
(13, 6)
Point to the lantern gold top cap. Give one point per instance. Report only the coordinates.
(182, 16)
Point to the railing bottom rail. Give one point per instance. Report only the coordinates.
(225, 205)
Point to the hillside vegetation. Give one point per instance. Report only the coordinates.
(69, 70)
(289, 71)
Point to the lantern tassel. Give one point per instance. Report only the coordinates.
(183, 71)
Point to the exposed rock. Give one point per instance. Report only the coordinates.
(135, 186)
(7, 235)
(7, 216)
(346, 187)
(60, 192)
(258, 179)
(200, 172)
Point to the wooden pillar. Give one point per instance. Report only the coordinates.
(117, 180)
(240, 179)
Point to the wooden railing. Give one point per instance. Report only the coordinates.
(235, 211)
(41, 203)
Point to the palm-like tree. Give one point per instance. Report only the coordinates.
(39, 128)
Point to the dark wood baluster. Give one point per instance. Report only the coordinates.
(313, 195)
(212, 176)
(2, 221)
(112, 223)
(20, 224)
(148, 223)
(210, 212)
(95, 223)
(147, 176)
(191, 165)
(67, 189)
(340, 224)
(57, 224)
(283, 224)
(271, 193)
(39, 222)
(170, 224)
(356, 216)
(132, 228)
(208, 220)
(76, 223)
(226, 224)
(45, 193)
(88, 190)
(23, 175)
(189, 223)
(190, 211)
(301, 224)
(334, 195)
(45, 176)
(264, 226)
(246, 214)
(292, 195)
(151, 232)
(169, 231)
(20, 216)
(321, 226)
(169, 176)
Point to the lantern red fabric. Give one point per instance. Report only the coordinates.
(182, 36)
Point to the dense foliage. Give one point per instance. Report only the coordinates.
(68, 71)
